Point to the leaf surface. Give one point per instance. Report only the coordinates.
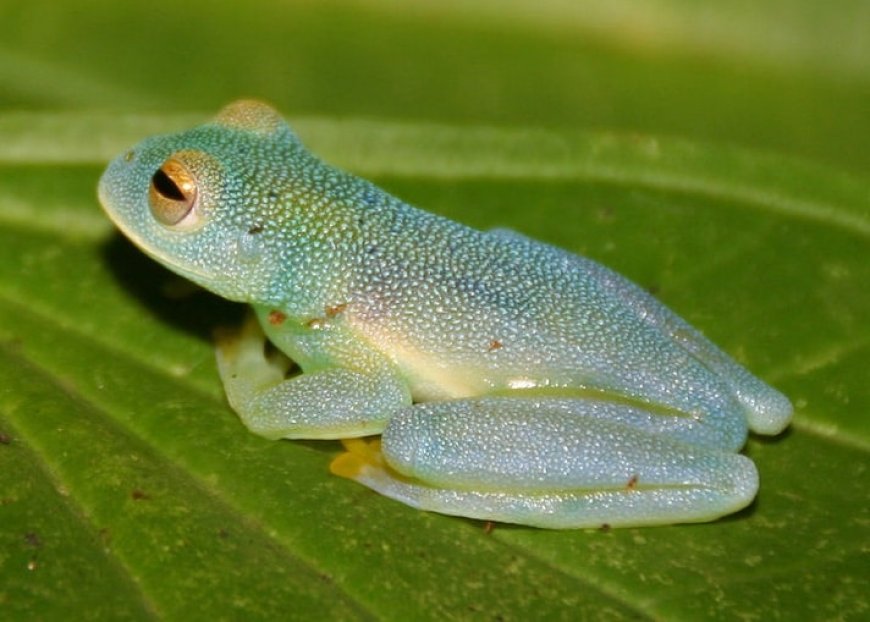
(123, 461)
(715, 153)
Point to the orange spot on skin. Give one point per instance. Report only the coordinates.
(276, 318)
(315, 323)
(335, 310)
(488, 526)
(138, 495)
(632, 482)
(494, 345)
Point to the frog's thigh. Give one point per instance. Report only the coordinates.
(767, 410)
(332, 403)
(526, 461)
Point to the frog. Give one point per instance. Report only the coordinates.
(474, 373)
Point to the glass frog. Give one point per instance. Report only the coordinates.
(509, 380)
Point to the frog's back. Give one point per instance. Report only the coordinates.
(498, 309)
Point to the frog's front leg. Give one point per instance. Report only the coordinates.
(543, 462)
(333, 402)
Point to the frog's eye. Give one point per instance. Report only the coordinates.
(172, 194)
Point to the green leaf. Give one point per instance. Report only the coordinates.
(123, 465)
(715, 154)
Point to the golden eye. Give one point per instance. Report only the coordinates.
(172, 194)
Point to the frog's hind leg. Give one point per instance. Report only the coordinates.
(767, 411)
(533, 462)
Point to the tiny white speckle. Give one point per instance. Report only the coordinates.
(522, 383)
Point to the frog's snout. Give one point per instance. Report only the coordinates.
(104, 190)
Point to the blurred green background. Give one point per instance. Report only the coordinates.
(715, 153)
(785, 74)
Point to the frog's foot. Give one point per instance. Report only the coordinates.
(359, 454)
(330, 403)
(526, 461)
(244, 360)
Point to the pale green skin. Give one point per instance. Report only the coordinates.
(512, 381)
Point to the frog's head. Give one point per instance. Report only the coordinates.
(204, 202)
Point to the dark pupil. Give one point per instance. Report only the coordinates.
(166, 187)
